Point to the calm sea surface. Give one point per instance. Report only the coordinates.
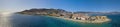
(19, 20)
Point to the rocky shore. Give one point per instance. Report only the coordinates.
(79, 17)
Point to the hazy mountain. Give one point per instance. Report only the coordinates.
(98, 12)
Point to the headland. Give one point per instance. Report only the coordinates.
(79, 17)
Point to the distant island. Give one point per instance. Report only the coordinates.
(75, 16)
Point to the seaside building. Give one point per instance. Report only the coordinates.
(80, 16)
(101, 18)
(92, 18)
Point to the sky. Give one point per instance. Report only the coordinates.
(68, 5)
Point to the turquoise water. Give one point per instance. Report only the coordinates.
(18, 20)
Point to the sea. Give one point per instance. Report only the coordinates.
(20, 20)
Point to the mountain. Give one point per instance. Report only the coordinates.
(98, 12)
(60, 11)
(45, 11)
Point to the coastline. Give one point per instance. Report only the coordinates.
(83, 21)
(59, 13)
